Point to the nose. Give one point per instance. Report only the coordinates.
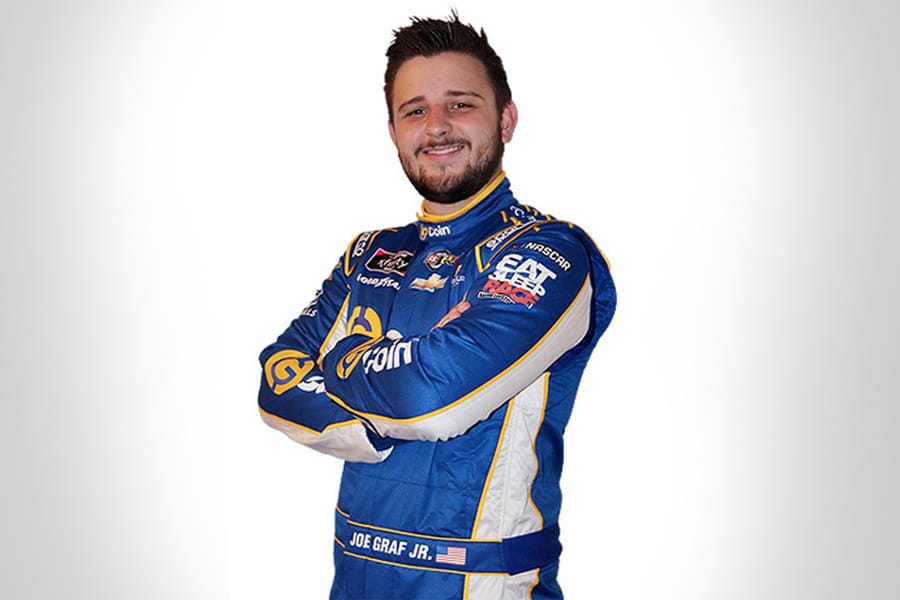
(437, 124)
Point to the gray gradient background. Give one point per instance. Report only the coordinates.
(735, 437)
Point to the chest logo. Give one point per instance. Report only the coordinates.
(395, 263)
(427, 231)
(435, 282)
(439, 258)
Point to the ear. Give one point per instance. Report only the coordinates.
(508, 119)
(392, 133)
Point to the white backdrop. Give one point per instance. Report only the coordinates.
(177, 177)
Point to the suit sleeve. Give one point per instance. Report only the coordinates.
(529, 305)
(292, 396)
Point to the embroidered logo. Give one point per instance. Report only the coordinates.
(313, 383)
(349, 361)
(361, 244)
(379, 282)
(427, 231)
(386, 358)
(395, 263)
(435, 282)
(556, 257)
(439, 258)
(364, 320)
(286, 369)
(451, 555)
(518, 280)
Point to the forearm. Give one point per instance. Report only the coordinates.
(436, 386)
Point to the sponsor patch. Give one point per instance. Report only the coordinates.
(364, 320)
(387, 358)
(349, 361)
(394, 263)
(517, 280)
(361, 244)
(439, 258)
(427, 231)
(286, 369)
(435, 282)
(520, 212)
(555, 257)
(313, 383)
(311, 310)
(378, 282)
(504, 234)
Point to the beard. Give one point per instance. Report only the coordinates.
(447, 187)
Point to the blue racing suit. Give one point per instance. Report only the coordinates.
(452, 436)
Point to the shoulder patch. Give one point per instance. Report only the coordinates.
(556, 257)
(487, 248)
(357, 249)
(517, 280)
(388, 259)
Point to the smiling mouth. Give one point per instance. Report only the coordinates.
(442, 150)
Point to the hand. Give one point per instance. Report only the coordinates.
(454, 313)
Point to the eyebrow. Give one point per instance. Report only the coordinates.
(451, 93)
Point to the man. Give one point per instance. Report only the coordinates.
(440, 359)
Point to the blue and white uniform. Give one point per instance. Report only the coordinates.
(452, 436)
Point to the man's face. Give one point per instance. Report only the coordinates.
(446, 128)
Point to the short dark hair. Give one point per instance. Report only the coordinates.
(429, 37)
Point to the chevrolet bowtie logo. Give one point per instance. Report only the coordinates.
(435, 282)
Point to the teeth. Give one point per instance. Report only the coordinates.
(444, 150)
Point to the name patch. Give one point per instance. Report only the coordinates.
(407, 550)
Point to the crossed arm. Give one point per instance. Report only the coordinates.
(331, 389)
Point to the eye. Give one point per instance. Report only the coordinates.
(460, 105)
(415, 112)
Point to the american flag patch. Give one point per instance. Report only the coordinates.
(451, 555)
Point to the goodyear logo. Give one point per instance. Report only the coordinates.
(286, 369)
